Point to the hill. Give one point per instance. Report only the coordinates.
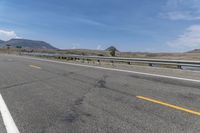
(195, 51)
(24, 43)
(1, 41)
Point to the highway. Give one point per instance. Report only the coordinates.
(53, 97)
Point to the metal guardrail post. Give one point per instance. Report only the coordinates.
(99, 62)
(150, 64)
(179, 66)
(112, 63)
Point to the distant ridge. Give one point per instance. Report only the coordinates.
(194, 51)
(25, 43)
(1, 41)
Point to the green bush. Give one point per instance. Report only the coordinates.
(112, 52)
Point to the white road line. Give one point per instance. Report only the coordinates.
(7, 118)
(33, 66)
(113, 69)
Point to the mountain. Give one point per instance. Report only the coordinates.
(24, 43)
(1, 42)
(111, 48)
(194, 51)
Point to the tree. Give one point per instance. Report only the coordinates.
(112, 52)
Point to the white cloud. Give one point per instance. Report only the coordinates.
(90, 22)
(182, 10)
(189, 40)
(178, 15)
(6, 35)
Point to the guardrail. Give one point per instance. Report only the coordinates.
(150, 62)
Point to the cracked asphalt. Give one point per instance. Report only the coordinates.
(60, 98)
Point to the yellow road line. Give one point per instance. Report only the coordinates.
(169, 105)
(33, 66)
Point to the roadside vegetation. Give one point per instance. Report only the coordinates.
(113, 52)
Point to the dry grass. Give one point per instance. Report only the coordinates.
(170, 56)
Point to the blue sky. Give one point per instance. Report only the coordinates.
(130, 25)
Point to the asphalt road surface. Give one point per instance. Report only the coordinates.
(49, 97)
